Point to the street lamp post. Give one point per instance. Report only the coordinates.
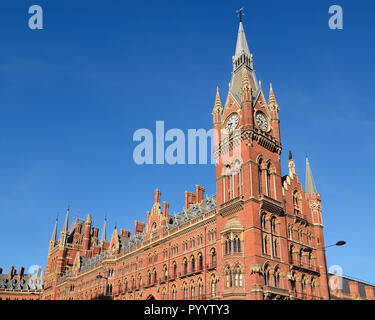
(338, 244)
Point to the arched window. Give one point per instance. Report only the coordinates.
(200, 262)
(155, 276)
(268, 185)
(312, 288)
(174, 293)
(174, 270)
(276, 278)
(260, 175)
(237, 277)
(238, 245)
(192, 292)
(186, 293)
(263, 221)
(291, 257)
(297, 211)
(303, 285)
(213, 258)
(265, 244)
(213, 288)
(275, 246)
(200, 290)
(273, 225)
(192, 264)
(185, 266)
(266, 275)
(292, 282)
(149, 278)
(228, 278)
(165, 272)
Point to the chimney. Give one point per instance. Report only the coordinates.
(20, 273)
(125, 233)
(353, 286)
(165, 208)
(138, 227)
(189, 199)
(157, 196)
(369, 292)
(12, 272)
(199, 194)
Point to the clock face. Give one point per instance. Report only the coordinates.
(261, 121)
(232, 122)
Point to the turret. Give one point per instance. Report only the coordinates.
(64, 231)
(86, 233)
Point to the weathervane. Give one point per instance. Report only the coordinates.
(240, 13)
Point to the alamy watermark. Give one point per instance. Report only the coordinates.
(336, 21)
(196, 146)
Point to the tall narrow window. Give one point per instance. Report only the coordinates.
(268, 185)
(266, 275)
(260, 176)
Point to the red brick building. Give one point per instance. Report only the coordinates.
(260, 236)
(20, 286)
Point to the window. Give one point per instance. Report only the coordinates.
(228, 278)
(237, 277)
(266, 275)
(200, 262)
(185, 263)
(186, 293)
(213, 288)
(265, 244)
(260, 176)
(192, 292)
(296, 203)
(268, 185)
(213, 258)
(276, 278)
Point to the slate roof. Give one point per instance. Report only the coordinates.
(27, 282)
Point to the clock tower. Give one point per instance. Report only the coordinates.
(252, 195)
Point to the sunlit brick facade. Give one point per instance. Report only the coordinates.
(260, 237)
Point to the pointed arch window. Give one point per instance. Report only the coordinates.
(260, 176)
(276, 278)
(185, 266)
(266, 275)
(268, 185)
(192, 264)
(213, 288)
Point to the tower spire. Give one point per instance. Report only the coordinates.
(66, 222)
(218, 108)
(104, 232)
(309, 181)
(54, 233)
(242, 54)
(242, 62)
(272, 98)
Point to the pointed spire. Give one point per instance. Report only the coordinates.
(104, 232)
(241, 46)
(272, 99)
(309, 181)
(217, 106)
(88, 219)
(54, 233)
(66, 222)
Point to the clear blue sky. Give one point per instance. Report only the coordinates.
(72, 95)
